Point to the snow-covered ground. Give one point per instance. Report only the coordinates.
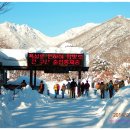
(29, 109)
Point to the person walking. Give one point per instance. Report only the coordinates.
(102, 90)
(79, 89)
(86, 86)
(68, 88)
(110, 88)
(116, 85)
(121, 84)
(58, 88)
(97, 85)
(23, 84)
(63, 88)
(82, 88)
(55, 89)
(48, 92)
(73, 84)
(41, 88)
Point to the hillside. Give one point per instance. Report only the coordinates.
(109, 41)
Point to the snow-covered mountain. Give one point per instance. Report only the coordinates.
(72, 33)
(109, 41)
(24, 37)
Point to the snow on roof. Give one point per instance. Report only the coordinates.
(17, 57)
(13, 57)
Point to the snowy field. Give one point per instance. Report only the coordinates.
(29, 109)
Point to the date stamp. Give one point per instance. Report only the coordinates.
(119, 117)
(117, 114)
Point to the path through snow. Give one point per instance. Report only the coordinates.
(60, 113)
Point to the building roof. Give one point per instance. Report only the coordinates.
(18, 57)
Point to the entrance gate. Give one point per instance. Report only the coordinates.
(48, 62)
(55, 63)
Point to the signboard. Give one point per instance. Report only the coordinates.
(55, 60)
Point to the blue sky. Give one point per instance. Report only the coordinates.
(54, 18)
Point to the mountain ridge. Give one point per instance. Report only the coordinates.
(26, 35)
(109, 41)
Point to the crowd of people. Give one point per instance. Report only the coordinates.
(82, 88)
(111, 87)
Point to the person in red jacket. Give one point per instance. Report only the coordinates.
(58, 88)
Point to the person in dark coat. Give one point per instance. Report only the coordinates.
(110, 88)
(82, 88)
(68, 88)
(73, 84)
(86, 86)
(79, 89)
(102, 90)
(48, 92)
(41, 88)
(23, 84)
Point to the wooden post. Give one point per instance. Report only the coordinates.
(4, 76)
(79, 74)
(31, 78)
(35, 78)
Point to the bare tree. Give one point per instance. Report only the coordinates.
(4, 7)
